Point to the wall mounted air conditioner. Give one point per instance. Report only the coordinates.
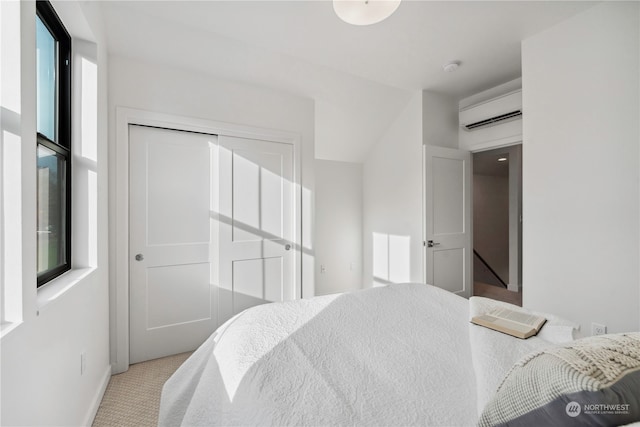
(492, 121)
(495, 122)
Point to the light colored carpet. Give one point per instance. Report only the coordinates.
(132, 399)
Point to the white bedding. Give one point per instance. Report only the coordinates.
(396, 355)
(493, 354)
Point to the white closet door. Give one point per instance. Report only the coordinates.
(257, 231)
(172, 241)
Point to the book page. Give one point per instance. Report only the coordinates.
(503, 325)
(515, 316)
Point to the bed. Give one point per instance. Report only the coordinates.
(402, 354)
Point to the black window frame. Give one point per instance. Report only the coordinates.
(62, 145)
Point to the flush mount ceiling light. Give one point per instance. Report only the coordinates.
(364, 12)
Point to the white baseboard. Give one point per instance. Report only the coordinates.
(95, 403)
(512, 287)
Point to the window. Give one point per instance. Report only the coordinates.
(53, 111)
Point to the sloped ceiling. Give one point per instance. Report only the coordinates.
(359, 77)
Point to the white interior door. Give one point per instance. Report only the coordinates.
(257, 224)
(172, 241)
(448, 183)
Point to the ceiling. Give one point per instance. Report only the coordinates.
(361, 78)
(486, 162)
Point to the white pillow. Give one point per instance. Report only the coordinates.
(601, 371)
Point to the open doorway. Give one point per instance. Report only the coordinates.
(497, 225)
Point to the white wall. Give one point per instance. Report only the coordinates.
(439, 119)
(338, 226)
(581, 168)
(41, 380)
(392, 201)
(350, 111)
(165, 89)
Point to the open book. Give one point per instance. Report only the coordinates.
(516, 323)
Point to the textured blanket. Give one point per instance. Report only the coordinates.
(396, 355)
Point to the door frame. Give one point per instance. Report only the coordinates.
(491, 145)
(119, 208)
(514, 221)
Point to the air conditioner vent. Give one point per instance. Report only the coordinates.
(503, 118)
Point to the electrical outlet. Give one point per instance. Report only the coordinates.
(323, 269)
(598, 329)
(83, 362)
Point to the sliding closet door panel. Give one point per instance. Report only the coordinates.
(177, 191)
(172, 294)
(257, 251)
(256, 281)
(257, 205)
(212, 233)
(169, 304)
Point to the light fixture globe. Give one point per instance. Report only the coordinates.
(364, 12)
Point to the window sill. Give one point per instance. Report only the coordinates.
(60, 285)
(50, 293)
(7, 327)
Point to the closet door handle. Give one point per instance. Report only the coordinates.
(431, 243)
(287, 247)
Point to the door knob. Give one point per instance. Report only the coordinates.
(287, 247)
(431, 243)
(139, 257)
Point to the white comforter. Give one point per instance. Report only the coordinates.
(396, 355)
